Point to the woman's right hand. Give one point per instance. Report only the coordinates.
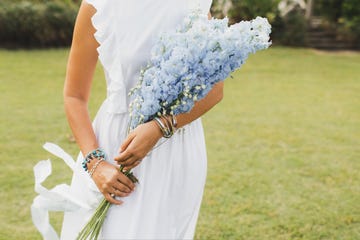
(110, 181)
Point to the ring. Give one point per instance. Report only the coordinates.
(112, 195)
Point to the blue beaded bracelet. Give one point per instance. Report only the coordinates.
(94, 154)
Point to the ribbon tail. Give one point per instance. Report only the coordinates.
(59, 198)
(39, 213)
(40, 218)
(59, 152)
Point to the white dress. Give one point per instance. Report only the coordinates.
(166, 202)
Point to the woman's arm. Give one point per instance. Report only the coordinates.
(140, 141)
(202, 106)
(80, 70)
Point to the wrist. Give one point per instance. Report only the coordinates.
(158, 132)
(167, 125)
(93, 159)
(95, 166)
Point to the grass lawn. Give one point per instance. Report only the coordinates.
(283, 146)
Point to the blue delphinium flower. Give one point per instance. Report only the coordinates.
(187, 62)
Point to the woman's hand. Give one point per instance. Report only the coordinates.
(111, 181)
(137, 145)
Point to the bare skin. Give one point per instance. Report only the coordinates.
(80, 70)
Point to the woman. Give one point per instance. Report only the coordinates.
(166, 202)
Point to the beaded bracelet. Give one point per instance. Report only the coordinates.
(94, 154)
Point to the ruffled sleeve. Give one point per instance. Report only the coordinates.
(109, 57)
(99, 20)
(109, 38)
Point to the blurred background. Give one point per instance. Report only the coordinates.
(283, 145)
(326, 24)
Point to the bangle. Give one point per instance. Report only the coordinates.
(161, 125)
(168, 125)
(95, 166)
(174, 122)
(165, 130)
(94, 154)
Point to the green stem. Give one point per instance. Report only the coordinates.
(92, 229)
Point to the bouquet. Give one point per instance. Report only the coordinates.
(184, 66)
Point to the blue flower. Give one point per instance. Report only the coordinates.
(186, 63)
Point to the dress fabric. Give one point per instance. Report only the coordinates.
(166, 202)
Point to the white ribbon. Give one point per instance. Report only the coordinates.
(58, 198)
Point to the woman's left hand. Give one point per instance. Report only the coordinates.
(137, 144)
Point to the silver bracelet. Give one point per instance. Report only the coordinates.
(165, 130)
(168, 125)
(174, 122)
(95, 166)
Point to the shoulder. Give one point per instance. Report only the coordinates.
(84, 30)
(86, 12)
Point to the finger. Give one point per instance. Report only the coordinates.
(129, 162)
(126, 181)
(128, 168)
(111, 199)
(136, 164)
(133, 165)
(126, 143)
(119, 193)
(122, 187)
(123, 157)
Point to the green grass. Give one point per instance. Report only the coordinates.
(283, 146)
